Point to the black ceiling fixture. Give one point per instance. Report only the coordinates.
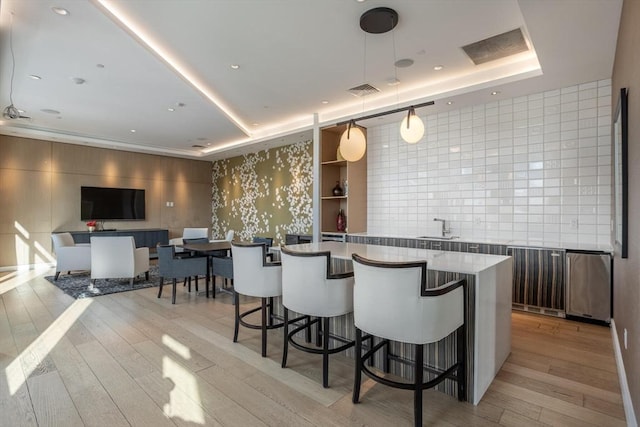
(379, 20)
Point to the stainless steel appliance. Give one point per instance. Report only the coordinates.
(588, 285)
(334, 237)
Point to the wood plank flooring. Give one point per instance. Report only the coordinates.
(132, 359)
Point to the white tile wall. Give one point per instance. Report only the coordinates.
(535, 168)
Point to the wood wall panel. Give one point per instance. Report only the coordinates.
(26, 200)
(40, 189)
(25, 154)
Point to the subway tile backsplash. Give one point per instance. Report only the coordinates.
(534, 168)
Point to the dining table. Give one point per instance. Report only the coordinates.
(211, 250)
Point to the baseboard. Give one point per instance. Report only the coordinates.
(622, 375)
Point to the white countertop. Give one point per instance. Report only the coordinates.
(524, 243)
(460, 262)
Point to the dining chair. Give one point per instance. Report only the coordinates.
(268, 242)
(173, 267)
(255, 276)
(391, 302)
(192, 254)
(310, 289)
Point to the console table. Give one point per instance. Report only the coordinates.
(148, 237)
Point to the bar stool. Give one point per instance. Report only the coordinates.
(391, 302)
(255, 277)
(312, 290)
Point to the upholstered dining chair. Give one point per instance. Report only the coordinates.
(69, 255)
(191, 254)
(391, 302)
(189, 233)
(310, 289)
(117, 257)
(173, 267)
(268, 242)
(255, 277)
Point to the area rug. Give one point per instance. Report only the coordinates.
(77, 284)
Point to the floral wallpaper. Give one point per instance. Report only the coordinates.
(268, 193)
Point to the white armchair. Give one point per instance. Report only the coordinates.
(117, 257)
(69, 255)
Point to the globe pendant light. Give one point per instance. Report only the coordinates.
(353, 143)
(412, 128)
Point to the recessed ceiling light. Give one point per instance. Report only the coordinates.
(449, 102)
(50, 111)
(255, 124)
(495, 92)
(34, 77)
(393, 82)
(60, 11)
(171, 109)
(235, 66)
(78, 80)
(324, 101)
(438, 67)
(404, 63)
(100, 65)
(133, 131)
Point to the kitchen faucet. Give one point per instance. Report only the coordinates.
(445, 230)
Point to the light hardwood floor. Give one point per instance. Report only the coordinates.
(133, 359)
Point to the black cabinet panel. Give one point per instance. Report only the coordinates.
(149, 237)
(538, 277)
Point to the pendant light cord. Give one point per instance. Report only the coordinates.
(13, 60)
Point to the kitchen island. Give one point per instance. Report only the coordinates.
(489, 281)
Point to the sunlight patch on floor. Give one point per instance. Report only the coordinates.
(27, 361)
(184, 398)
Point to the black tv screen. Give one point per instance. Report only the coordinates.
(101, 203)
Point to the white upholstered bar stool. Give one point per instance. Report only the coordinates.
(310, 288)
(391, 302)
(255, 277)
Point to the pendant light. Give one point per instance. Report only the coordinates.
(412, 128)
(353, 143)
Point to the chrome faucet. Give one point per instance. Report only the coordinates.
(445, 230)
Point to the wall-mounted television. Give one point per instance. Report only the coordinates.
(102, 203)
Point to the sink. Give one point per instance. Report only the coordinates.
(438, 237)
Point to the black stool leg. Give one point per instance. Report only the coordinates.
(237, 322)
(270, 314)
(173, 296)
(286, 337)
(264, 327)
(358, 372)
(319, 333)
(160, 287)
(462, 360)
(325, 352)
(417, 392)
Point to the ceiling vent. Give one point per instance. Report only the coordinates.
(496, 47)
(363, 90)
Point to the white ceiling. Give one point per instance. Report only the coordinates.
(292, 55)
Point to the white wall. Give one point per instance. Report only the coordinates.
(535, 168)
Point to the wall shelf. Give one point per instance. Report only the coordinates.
(354, 204)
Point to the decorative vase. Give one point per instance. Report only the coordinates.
(91, 229)
(341, 221)
(337, 190)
